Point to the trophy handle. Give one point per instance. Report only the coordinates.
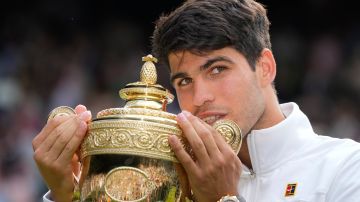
(61, 111)
(231, 132)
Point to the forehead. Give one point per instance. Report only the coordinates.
(187, 61)
(178, 60)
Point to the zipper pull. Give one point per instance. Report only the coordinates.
(252, 173)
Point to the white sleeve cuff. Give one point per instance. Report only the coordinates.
(46, 197)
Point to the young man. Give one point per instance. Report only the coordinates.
(222, 67)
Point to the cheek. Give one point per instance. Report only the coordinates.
(226, 88)
(184, 100)
(235, 93)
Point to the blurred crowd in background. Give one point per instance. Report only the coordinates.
(67, 52)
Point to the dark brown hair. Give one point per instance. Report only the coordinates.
(201, 26)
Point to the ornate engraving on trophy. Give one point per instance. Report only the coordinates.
(230, 132)
(129, 137)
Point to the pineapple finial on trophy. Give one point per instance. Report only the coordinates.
(146, 93)
(148, 73)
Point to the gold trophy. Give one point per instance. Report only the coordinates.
(125, 155)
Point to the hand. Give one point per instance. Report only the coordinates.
(215, 170)
(55, 150)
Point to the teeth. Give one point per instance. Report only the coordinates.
(211, 119)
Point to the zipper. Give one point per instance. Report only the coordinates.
(253, 177)
(252, 173)
(249, 191)
(253, 187)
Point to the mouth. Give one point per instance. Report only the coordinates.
(212, 119)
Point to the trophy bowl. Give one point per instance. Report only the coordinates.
(125, 155)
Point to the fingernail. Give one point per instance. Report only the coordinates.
(181, 116)
(85, 116)
(172, 139)
(186, 113)
(81, 105)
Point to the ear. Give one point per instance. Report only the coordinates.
(266, 68)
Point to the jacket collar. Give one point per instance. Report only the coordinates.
(270, 147)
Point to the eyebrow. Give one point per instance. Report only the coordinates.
(177, 76)
(211, 61)
(203, 67)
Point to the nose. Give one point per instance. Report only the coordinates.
(202, 93)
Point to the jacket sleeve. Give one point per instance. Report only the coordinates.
(46, 197)
(346, 184)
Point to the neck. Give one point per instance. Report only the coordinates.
(271, 116)
(244, 154)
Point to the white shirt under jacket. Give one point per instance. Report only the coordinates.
(324, 169)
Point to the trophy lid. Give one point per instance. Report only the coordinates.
(143, 95)
(146, 88)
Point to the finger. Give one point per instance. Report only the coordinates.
(192, 137)
(59, 137)
(79, 109)
(204, 133)
(85, 116)
(180, 153)
(73, 144)
(218, 138)
(45, 132)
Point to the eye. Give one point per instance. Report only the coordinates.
(184, 82)
(217, 69)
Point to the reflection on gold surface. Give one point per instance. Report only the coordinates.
(128, 184)
(144, 179)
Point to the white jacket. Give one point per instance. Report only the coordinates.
(290, 154)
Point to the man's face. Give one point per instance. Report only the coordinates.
(217, 85)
